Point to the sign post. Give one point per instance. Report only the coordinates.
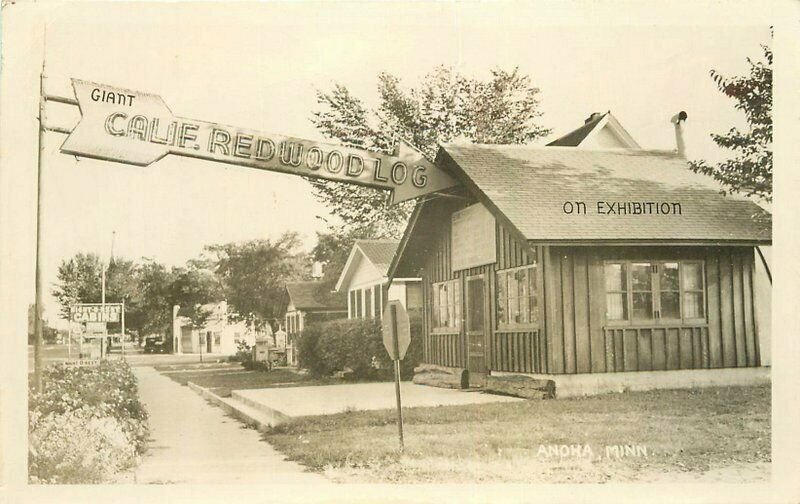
(396, 338)
(123, 328)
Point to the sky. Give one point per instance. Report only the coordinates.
(258, 66)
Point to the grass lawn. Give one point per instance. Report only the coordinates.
(223, 378)
(684, 433)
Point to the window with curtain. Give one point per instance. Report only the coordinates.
(446, 306)
(647, 291)
(517, 298)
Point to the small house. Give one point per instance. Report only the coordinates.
(597, 268)
(365, 280)
(306, 303)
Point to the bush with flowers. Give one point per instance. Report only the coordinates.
(86, 424)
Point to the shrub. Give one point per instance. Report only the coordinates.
(77, 447)
(307, 357)
(84, 414)
(244, 353)
(355, 344)
(252, 365)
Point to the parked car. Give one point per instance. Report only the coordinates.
(155, 344)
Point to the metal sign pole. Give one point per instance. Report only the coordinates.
(396, 358)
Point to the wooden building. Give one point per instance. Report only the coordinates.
(306, 303)
(562, 261)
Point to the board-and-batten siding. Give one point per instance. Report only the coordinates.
(573, 336)
(582, 342)
(520, 351)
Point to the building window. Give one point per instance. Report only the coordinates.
(665, 291)
(367, 302)
(693, 296)
(359, 305)
(446, 305)
(517, 301)
(616, 291)
(641, 291)
(378, 307)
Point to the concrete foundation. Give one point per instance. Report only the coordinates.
(601, 383)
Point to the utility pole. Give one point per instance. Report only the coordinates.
(37, 348)
(103, 310)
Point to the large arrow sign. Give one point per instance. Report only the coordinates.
(138, 128)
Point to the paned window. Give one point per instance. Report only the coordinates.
(668, 291)
(446, 307)
(516, 297)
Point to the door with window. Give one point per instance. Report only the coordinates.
(476, 327)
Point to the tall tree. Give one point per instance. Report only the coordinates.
(191, 288)
(78, 281)
(749, 172)
(254, 273)
(332, 250)
(157, 296)
(446, 106)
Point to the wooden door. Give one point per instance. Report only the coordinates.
(477, 322)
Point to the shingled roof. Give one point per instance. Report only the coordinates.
(593, 125)
(576, 136)
(315, 296)
(531, 185)
(379, 252)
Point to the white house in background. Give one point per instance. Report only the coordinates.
(364, 279)
(599, 131)
(219, 335)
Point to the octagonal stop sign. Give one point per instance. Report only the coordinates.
(396, 329)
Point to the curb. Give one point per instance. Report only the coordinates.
(275, 416)
(252, 416)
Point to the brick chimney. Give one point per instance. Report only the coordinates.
(592, 117)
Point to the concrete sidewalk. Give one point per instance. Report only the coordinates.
(195, 442)
(330, 399)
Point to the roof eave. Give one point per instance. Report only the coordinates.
(404, 240)
(645, 242)
(347, 265)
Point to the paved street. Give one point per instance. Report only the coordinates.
(134, 355)
(195, 442)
